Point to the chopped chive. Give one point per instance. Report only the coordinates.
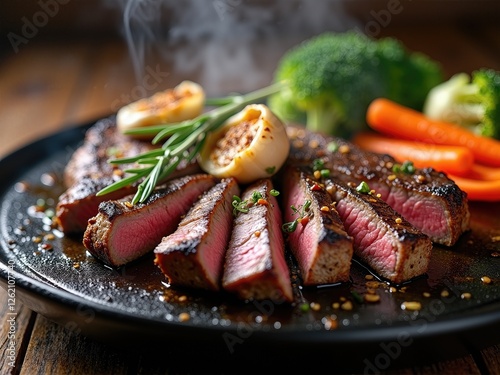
(325, 173)
(274, 192)
(302, 211)
(271, 170)
(304, 307)
(332, 146)
(363, 188)
(318, 164)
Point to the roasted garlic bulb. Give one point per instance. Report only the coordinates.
(250, 145)
(183, 102)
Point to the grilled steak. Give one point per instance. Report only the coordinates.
(383, 239)
(193, 255)
(426, 198)
(88, 171)
(102, 141)
(122, 232)
(320, 244)
(255, 266)
(80, 202)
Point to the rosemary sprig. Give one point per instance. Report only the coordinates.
(183, 142)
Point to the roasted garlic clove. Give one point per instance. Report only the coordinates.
(250, 145)
(183, 102)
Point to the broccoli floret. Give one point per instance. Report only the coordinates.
(332, 78)
(469, 102)
(328, 76)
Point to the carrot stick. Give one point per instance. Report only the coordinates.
(449, 159)
(478, 190)
(399, 121)
(482, 172)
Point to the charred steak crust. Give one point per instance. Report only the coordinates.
(89, 171)
(427, 198)
(193, 255)
(320, 244)
(122, 232)
(383, 239)
(102, 141)
(255, 265)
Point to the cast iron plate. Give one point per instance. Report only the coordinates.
(58, 279)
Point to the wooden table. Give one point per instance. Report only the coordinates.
(51, 84)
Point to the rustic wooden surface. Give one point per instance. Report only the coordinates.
(52, 84)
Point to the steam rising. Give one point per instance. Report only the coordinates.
(225, 45)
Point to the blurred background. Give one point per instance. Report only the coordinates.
(64, 62)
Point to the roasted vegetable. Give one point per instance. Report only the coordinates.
(471, 102)
(250, 145)
(333, 77)
(183, 102)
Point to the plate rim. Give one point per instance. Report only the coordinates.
(471, 320)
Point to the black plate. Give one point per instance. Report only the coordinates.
(55, 276)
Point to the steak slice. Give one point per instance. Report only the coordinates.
(88, 172)
(255, 266)
(122, 232)
(80, 202)
(383, 239)
(426, 198)
(319, 243)
(102, 141)
(193, 255)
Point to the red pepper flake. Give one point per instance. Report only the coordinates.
(47, 247)
(303, 220)
(315, 187)
(262, 202)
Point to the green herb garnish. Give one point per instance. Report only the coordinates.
(271, 170)
(363, 188)
(304, 307)
(357, 297)
(239, 205)
(302, 211)
(318, 164)
(183, 142)
(243, 206)
(325, 173)
(332, 146)
(407, 167)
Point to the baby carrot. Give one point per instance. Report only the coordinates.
(449, 159)
(482, 172)
(399, 121)
(478, 190)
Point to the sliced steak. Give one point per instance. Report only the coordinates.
(80, 202)
(319, 243)
(383, 239)
(88, 172)
(193, 255)
(255, 265)
(426, 198)
(102, 141)
(122, 232)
